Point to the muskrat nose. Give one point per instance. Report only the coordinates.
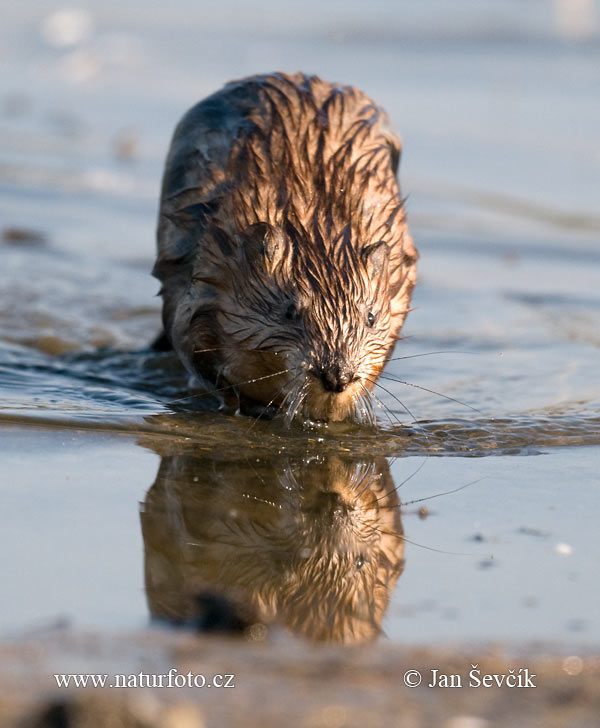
(334, 377)
(331, 508)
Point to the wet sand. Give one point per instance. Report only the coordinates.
(277, 683)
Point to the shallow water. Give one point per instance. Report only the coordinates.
(502, 165)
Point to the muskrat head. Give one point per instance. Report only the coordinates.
(305, 323)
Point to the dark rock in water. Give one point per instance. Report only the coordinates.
(22, 236)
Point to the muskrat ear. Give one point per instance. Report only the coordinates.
(395, 147)
(263, 241)
(395, 158)
(375, 258)
(186, 211)
(188, 218)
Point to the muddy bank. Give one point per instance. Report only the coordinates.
(277, 682)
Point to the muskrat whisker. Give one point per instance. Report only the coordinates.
(396, 488)
(244, 495)
(431, 353)
(446, 492)
(361, 472)
(388, 412)
(387, 391)
(258, 379)
(190, 396)
(431, 391)
(277, 393)
(251, 348)
(370, 408)
(264, 409)
(203, 351)
(297, 398)
(303, 393)
(292, 392)
(364, 398)
(260, 500)
(359, 412)
(412, 475)
(366, 486)
(421, 545)
(229, 386)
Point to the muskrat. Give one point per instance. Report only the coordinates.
(283, 250)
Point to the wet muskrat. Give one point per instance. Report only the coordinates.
(283, 251)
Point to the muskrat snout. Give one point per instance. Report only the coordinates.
(331, 508)
(334, 377)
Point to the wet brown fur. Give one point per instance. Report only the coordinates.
(276, 194)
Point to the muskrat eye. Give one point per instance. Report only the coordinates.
(292, 313)
(371, 318)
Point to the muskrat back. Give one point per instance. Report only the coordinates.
(283, 251)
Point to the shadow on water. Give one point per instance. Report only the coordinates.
(312, 544)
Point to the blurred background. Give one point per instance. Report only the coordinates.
(497, 102)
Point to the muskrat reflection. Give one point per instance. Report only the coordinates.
(315, 544)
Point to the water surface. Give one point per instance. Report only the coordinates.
(99, 436)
